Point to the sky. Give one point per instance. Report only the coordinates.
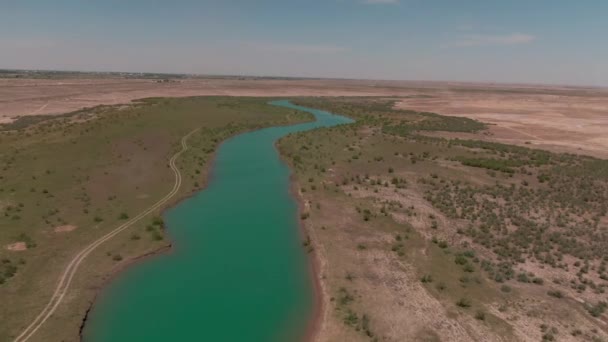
(515, 41)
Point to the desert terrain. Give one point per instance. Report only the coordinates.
(424, 237)
(561, 118)
(447, 212)
(574, 120)
(23, 97)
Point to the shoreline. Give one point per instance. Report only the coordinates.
(119, 269)
(162, 250)
(170, 246)
(313, 327)
(315, 321)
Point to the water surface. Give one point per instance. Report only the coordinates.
(238, 271)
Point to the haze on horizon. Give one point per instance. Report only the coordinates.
(519, 41)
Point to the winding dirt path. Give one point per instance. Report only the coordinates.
(72, 267)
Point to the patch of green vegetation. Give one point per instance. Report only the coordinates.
(94, 169)
(597, 309)
(381, 113)
(433, 122)
(24, 122)
(492, 164)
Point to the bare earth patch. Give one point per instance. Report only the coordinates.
(23, 97)
(573, 120)
(17, 246)
(64, 229)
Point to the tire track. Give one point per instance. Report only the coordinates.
(70, 270)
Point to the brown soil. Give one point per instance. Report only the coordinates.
(17, 246)
(19, 97)
(64, 229)
(574, 121)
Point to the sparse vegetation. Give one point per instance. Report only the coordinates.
(480, 222)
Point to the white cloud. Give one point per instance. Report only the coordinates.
(486, 39)
(380, 2)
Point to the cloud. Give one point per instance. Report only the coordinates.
(380, 2)
(489, 40)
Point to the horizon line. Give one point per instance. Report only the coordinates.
(573, 85)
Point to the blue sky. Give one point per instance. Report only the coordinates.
(532, 41)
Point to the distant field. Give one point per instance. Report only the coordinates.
(422, 237)
(559, 118)
(66, 181)
(574, 121)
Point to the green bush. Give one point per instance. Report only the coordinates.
(464, 303)
(427, 278)
(556, 294)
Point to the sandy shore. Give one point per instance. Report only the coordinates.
(316, 262)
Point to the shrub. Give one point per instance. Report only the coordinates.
(427, 278)
(598, 309)
(460, 260)
(538, 281)
(158, 221)
(351, 318)
(523, 278)
(464, 303)
(344, 297)
(468, 268)
(556, 294)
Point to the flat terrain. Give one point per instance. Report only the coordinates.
(425, 238)
(426, 227)
(554, 117)
(22, 97)
(562, 120)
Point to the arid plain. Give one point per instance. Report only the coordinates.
(394, 255)
(559, 118)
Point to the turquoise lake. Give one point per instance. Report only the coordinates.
(237, 272)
